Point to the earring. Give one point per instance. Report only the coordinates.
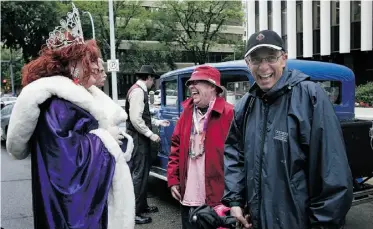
(75, 75)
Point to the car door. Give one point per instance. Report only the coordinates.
(169, 111)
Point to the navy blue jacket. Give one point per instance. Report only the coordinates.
(285, 158)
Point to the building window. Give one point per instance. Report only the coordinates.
(335, 26)
(355, 11)
(284, 29)
(299, 17)
(269, 8)
(270, 24)
(316, 14)
(335, 13)
(256, 16)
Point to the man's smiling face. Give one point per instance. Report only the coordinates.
(266, 66)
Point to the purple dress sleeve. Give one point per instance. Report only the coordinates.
(71, 169)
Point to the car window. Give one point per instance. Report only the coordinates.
(333, 90)
(7, 110)
(236, 90)
(171, 93)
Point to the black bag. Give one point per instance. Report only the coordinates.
(205, 217)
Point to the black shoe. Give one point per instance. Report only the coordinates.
(139, 219)
(151, 209)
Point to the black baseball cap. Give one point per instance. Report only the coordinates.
(264, 38)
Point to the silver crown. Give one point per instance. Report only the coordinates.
(69, 32)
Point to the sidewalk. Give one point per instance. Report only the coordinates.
(364, 113)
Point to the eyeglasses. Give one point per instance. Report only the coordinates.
(194, 82)
(272, 59)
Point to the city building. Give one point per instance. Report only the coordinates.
(331, 31)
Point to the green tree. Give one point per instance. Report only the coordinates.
(26, 25)
(239, 51)
(132, 24)
(195, 26)
(160, 57)
(126, 15)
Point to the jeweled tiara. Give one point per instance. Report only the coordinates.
(69, 32)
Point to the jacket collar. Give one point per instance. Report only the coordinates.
(218, 105)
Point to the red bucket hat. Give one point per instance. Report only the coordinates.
(206, 73)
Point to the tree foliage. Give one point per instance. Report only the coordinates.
(26, 25)
(239, 52)
(196, 26)
(132, 23)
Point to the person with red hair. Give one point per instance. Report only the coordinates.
(80, 176)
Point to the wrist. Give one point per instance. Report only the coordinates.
(234, 204)
(149, 133)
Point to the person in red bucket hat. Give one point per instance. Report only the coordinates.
(195, 167)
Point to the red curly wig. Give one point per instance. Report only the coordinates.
(56, 62)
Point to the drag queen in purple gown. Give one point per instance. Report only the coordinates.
(80, 176)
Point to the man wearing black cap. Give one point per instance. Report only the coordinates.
(139, 126)
(285, 161)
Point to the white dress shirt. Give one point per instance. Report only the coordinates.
(136, 101)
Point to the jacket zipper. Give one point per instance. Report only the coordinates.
(264, 134)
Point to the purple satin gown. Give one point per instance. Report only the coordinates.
(71, 169)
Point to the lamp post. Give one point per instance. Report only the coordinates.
(113, 64)
(93, 25)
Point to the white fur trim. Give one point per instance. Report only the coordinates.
(25, 116)
(121, 201)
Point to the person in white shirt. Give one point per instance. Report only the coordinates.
(139, 126)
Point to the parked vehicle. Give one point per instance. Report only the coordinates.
(5, 116)
(339, 83)
(5, 100)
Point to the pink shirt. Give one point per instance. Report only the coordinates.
(195, 193)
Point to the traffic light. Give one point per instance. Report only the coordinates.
(3, 84)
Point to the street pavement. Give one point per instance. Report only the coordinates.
(16, 199)
(364, 113)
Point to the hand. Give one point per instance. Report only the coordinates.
(175, 191)
(155, 138)
(164, 123)
(115, 132)
(237, 212)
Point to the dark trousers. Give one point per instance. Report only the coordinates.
(185, 217)
(140, 167)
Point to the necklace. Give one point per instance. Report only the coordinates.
(195, 130)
